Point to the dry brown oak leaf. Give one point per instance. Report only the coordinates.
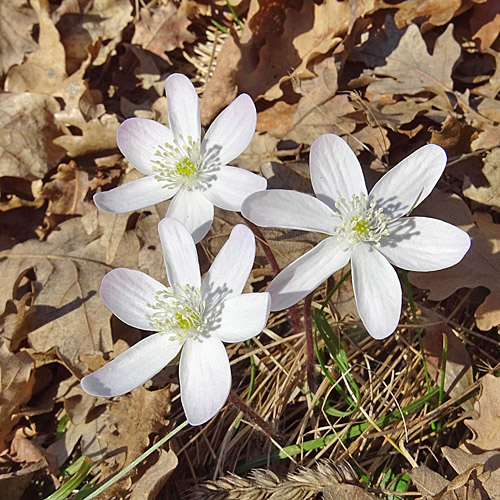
(16, 385)
(162, 29)
(410, 69)
(479, 267)
(67, 312)
(27, 130)
(458, 369)
(303, 30)
(487, 195)
(486, 427)
(16, 22)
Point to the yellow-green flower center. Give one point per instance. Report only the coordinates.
(360, 227)
(180, 163)
(360, 222)
(186, 168)
(178, 312)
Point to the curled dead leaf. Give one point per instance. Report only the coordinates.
(162, 29)
(486, 427)
(16, 385)
(27, 133)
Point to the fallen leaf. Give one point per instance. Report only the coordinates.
(287, 245)
(126, 429)
(303, 30)
(487, 195)
(86, 24)
(45, 69)
(13, 484)
(458, 368)
(27, 131)
(16, 385)
(67, 310)
(12, 321)
(486, 427)
(485, 22)
(427, 481)
(16, 22)
(479, 267)
(150, 484)
(410, 69)
(24, 451)
(492, 86)
(489, 476)
(488, 136)
(437, 12)
(67, 189)
(462, 461)
(162, 29)
(319, 111)
(346, 492)
(261, 151)
(98, 134)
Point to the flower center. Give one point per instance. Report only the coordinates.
(361, 223)
(178, 312)
(182, 164)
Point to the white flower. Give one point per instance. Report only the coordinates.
(368, 229)
(195, 315)
(181, 164)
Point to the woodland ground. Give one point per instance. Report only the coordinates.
(413, 416)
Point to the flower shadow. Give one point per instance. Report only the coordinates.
(405, 229)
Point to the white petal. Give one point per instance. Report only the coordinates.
(232, 265)
(183, 107)
(127, 292)
(335, 169)
(232, 186)
(407, 184)
(305, 274)
(179, 253)
(134, 195)
(231, 132)
(138, 140)
(205, 379)
(132, 368)
(243, 317)
(289, 209)
(194, 211)
(377, 291)
(423, 244)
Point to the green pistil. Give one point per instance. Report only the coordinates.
(361, 227)
(186, 322)
(185, 168)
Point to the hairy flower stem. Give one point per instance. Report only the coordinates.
(251, 415)
(294, 317)
(310, 354)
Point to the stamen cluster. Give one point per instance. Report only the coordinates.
(179, 163)
(361, 222)
(178, 312)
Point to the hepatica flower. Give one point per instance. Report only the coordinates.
(195, 315)
(371, 230)
(182, 165)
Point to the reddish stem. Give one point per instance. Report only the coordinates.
(292, 311)
(310, 354)
(250, 414)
